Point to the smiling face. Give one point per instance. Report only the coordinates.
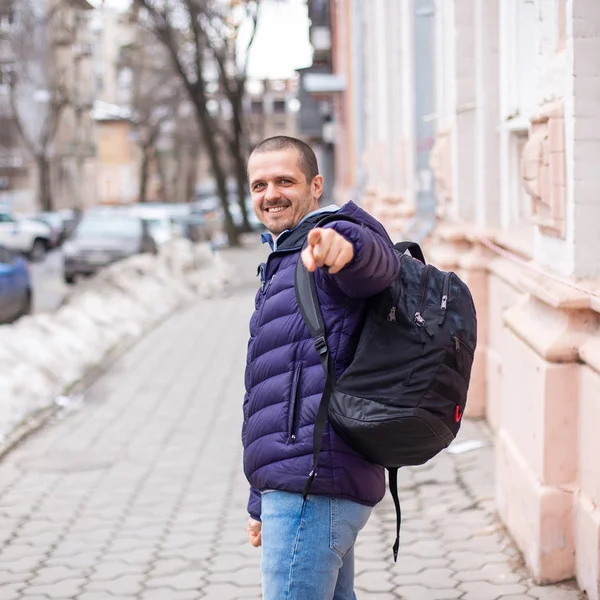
(281, 194)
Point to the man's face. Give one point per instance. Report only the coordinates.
(281, 195)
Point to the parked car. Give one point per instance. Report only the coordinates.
(62, 224)
(15, 286)
(102, 238)
(236, 214)
(26, 236)
(211, 209)
(158, 217)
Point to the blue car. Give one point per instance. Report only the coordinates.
(15, 286)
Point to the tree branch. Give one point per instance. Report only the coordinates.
(164, 31)
(251, 41)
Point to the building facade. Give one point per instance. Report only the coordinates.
(45, 58)
(317, 89)
(271, 108)
(511, 133)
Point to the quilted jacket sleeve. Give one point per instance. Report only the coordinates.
(373, 268)
(254, 504)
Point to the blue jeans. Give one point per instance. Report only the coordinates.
(308, 546)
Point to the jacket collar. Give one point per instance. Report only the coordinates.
(290, 238)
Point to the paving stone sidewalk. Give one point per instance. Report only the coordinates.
(139, 493)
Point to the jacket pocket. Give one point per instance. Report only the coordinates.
(294, 406)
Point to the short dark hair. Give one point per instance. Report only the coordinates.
(308, 160)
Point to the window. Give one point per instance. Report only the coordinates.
(8, 133)
(256, 107)
(562, 25)
(518, 56)
(7, 74)
(279, 106)
(7, 18)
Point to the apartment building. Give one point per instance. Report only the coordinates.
(45, 61)
(271, 107)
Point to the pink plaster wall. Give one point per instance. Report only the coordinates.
(475, 275)
(537, 457)
(539, 411)
(589, 438)
(500, 296)
(539, 518)
(587, 538)
(587, 513)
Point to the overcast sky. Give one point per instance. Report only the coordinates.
(281, 44)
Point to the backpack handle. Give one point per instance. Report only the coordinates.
(413, 248)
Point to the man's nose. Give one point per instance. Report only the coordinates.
(272, 193)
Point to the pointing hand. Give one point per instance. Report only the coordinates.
(327, 248)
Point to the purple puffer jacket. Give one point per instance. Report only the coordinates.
(284, 377)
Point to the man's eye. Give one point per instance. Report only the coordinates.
(258, 186)
(286, 181)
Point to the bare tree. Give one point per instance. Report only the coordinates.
(223, 41)
(187, 29)
(156, 99)
(186, 148)
(38, 88)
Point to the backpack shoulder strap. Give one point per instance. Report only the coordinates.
(308, 302)
(413, 248)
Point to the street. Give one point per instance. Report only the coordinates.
(140, 493)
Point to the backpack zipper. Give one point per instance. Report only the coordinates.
(444, 302)
(458, 343)
(391, 318)
(419, 320)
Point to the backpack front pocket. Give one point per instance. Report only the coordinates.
(464, 357)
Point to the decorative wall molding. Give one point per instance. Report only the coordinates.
(543, 169)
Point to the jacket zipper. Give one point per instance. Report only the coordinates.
(444, 302)
(261, 273)
(419, 320)
(294, 406)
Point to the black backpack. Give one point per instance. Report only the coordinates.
(401, 399)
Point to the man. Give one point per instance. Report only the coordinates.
(308, 545)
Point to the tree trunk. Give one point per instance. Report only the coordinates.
(161, 169)
(241, 177)
(44, 192)
(215, 157)
(144, 172)
(192, 174)
(238, 151)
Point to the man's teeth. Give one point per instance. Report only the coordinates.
(274, 209)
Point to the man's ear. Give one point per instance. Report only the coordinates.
(317, 187)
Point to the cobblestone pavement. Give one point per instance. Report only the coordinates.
(139, 494)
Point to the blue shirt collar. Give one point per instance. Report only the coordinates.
(267, 238)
